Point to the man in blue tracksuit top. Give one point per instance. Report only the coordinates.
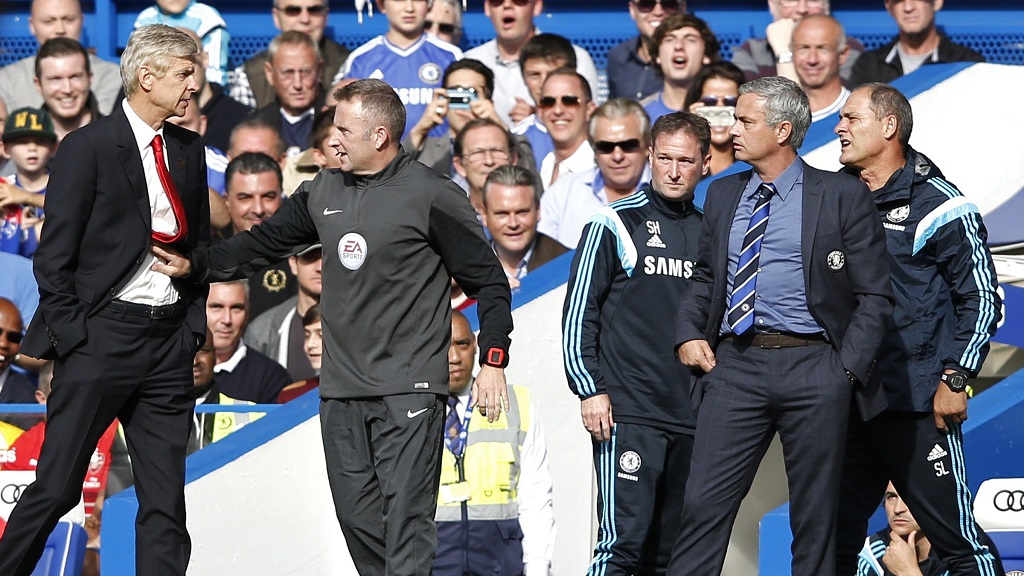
(632, 262)
(946, 311)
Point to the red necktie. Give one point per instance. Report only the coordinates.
(172, 195)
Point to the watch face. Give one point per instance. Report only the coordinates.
(956, 382)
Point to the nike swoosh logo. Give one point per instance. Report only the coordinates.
(412, 414)
(328, 211)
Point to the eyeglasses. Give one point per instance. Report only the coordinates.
(568, 100)
(442, 28)
(290, 73)
(628, 146)
(499, 3)
(713, 100)
(498, 154)
(13, 337)
(669, 6)
(293, 11)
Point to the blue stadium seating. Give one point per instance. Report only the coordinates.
(64, 552)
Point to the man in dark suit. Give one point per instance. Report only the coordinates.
(780, 322)
(123, 337)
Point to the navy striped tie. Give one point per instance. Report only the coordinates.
(741, 304)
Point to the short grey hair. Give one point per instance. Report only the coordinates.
(241, 282)
(513, 176)
(784, 101)
(155, 46)
(293, 38)
(888, 101)
(620, 108)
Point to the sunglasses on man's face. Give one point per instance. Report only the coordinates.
(628, 146)
(442, 28)
(669, 6)
(719, 100)
(293, 11)
(12, 336)
(568, 100)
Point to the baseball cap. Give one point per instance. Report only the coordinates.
(308, 249)
(28, 121)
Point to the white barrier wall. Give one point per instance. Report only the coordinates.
(270, 510)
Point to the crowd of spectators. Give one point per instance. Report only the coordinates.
(516, 121)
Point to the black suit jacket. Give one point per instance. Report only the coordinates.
(851, 302)
(98, 228)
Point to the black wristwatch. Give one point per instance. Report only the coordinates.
(956, 380)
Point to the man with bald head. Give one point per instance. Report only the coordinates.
(51, 19)
(14, 387)
(819, 50)
(771, 55)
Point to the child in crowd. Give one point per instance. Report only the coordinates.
(313, 345)
(202, 19)
(406, 58)
(30, 140)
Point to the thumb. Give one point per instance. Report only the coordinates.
(911, 539)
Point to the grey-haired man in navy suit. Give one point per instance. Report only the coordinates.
(781, 322)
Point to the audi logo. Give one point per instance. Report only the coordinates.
(11, 493)
(1009, 501)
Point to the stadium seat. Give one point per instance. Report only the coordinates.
(64, 552)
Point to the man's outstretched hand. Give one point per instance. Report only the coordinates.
(170, 262)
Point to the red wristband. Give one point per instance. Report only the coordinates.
(495, 357)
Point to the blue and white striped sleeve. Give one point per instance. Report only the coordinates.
(964, 260)
(605, 250)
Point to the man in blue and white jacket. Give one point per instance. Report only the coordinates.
(634, 260)
(946, 311)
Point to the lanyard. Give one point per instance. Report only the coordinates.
(462, 434)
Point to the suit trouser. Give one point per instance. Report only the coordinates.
(803, 394)
(139, 371)
(926, 466)
(384, 465)
(641, 477)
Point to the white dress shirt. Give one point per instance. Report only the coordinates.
(582, 160)
(566, 207)
(146, 286)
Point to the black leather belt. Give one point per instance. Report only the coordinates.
(776, 339)
(176, 310)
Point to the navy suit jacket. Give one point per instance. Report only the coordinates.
(98, 228)
(851, 302)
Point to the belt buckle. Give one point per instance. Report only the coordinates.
(153, 313)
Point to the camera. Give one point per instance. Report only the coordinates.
(459, 98)
(717, 115)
